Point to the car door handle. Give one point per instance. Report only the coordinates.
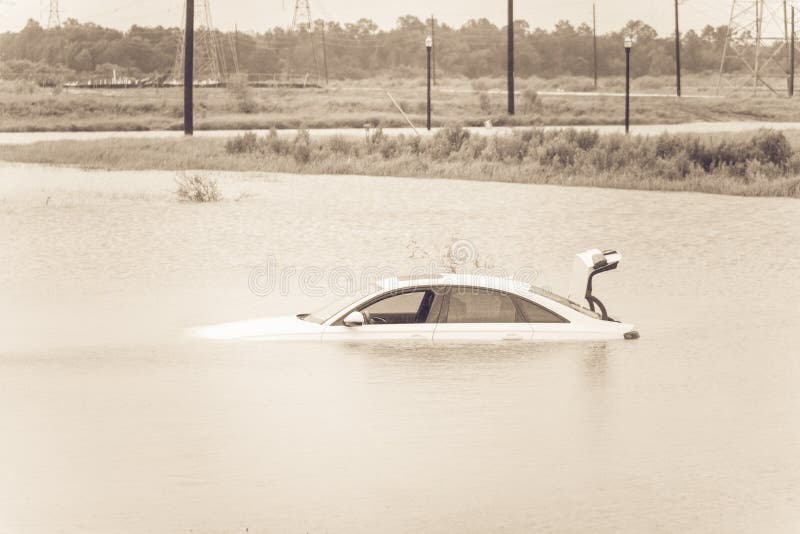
(418, 336)
(512, 337)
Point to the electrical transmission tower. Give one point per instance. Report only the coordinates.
(757, 39)
(209, 60)
(302, 21)
(302, 15)
(54, 20)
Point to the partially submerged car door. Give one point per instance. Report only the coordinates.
(480, 315)
(408, 314)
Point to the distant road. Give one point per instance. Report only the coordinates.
(15, 138)
(546, 93)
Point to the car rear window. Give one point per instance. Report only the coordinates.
(534, 313)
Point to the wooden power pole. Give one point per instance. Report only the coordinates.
(510, 57)
(188, 71)
(594, 41)
(677, 52)
(791, 58)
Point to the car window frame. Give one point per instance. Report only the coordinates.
(522, 311)
(339, 321)
(445, 311)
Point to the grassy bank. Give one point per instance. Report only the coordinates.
(25, 107)
(764, 164)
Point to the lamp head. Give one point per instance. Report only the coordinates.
(429, 41)
(628, 43)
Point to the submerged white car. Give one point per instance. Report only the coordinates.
(452, 308)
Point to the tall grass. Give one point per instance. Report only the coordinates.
(26, 107)
(764, 155)
(761, 164)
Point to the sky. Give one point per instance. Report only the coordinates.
(257, 15)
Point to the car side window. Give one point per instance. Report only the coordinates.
(473, 305)
(403, 308)
(534, 313)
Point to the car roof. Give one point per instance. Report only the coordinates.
(454, 279)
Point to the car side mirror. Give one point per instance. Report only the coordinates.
(355, 318)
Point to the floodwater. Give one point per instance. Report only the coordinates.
(114, 420)
(20, 138)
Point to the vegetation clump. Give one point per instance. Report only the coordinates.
(197, 188)
(764, 163)
(580, 151)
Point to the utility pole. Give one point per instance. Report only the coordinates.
(628, 43)
(433, 51)
(429, 46)
(791, 59)
(188, 70)
(324, 53)
(510, 57)
(594, 41)
(677, 52)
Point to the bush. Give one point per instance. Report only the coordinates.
(530, 101)
(275, 144)
(769, 146)
(763, 156)
(339, 145)
(558, 152)
(197, 188)
(485, 102)
(447, 141)
(301, 147)
(507, 147)
(242, 144)
(240, 90)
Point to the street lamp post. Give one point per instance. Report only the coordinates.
(429, 46)
(628, 43)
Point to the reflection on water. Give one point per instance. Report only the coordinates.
(113, 420)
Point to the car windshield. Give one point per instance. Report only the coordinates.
(328, 311)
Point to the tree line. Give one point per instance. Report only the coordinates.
(356, 50)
